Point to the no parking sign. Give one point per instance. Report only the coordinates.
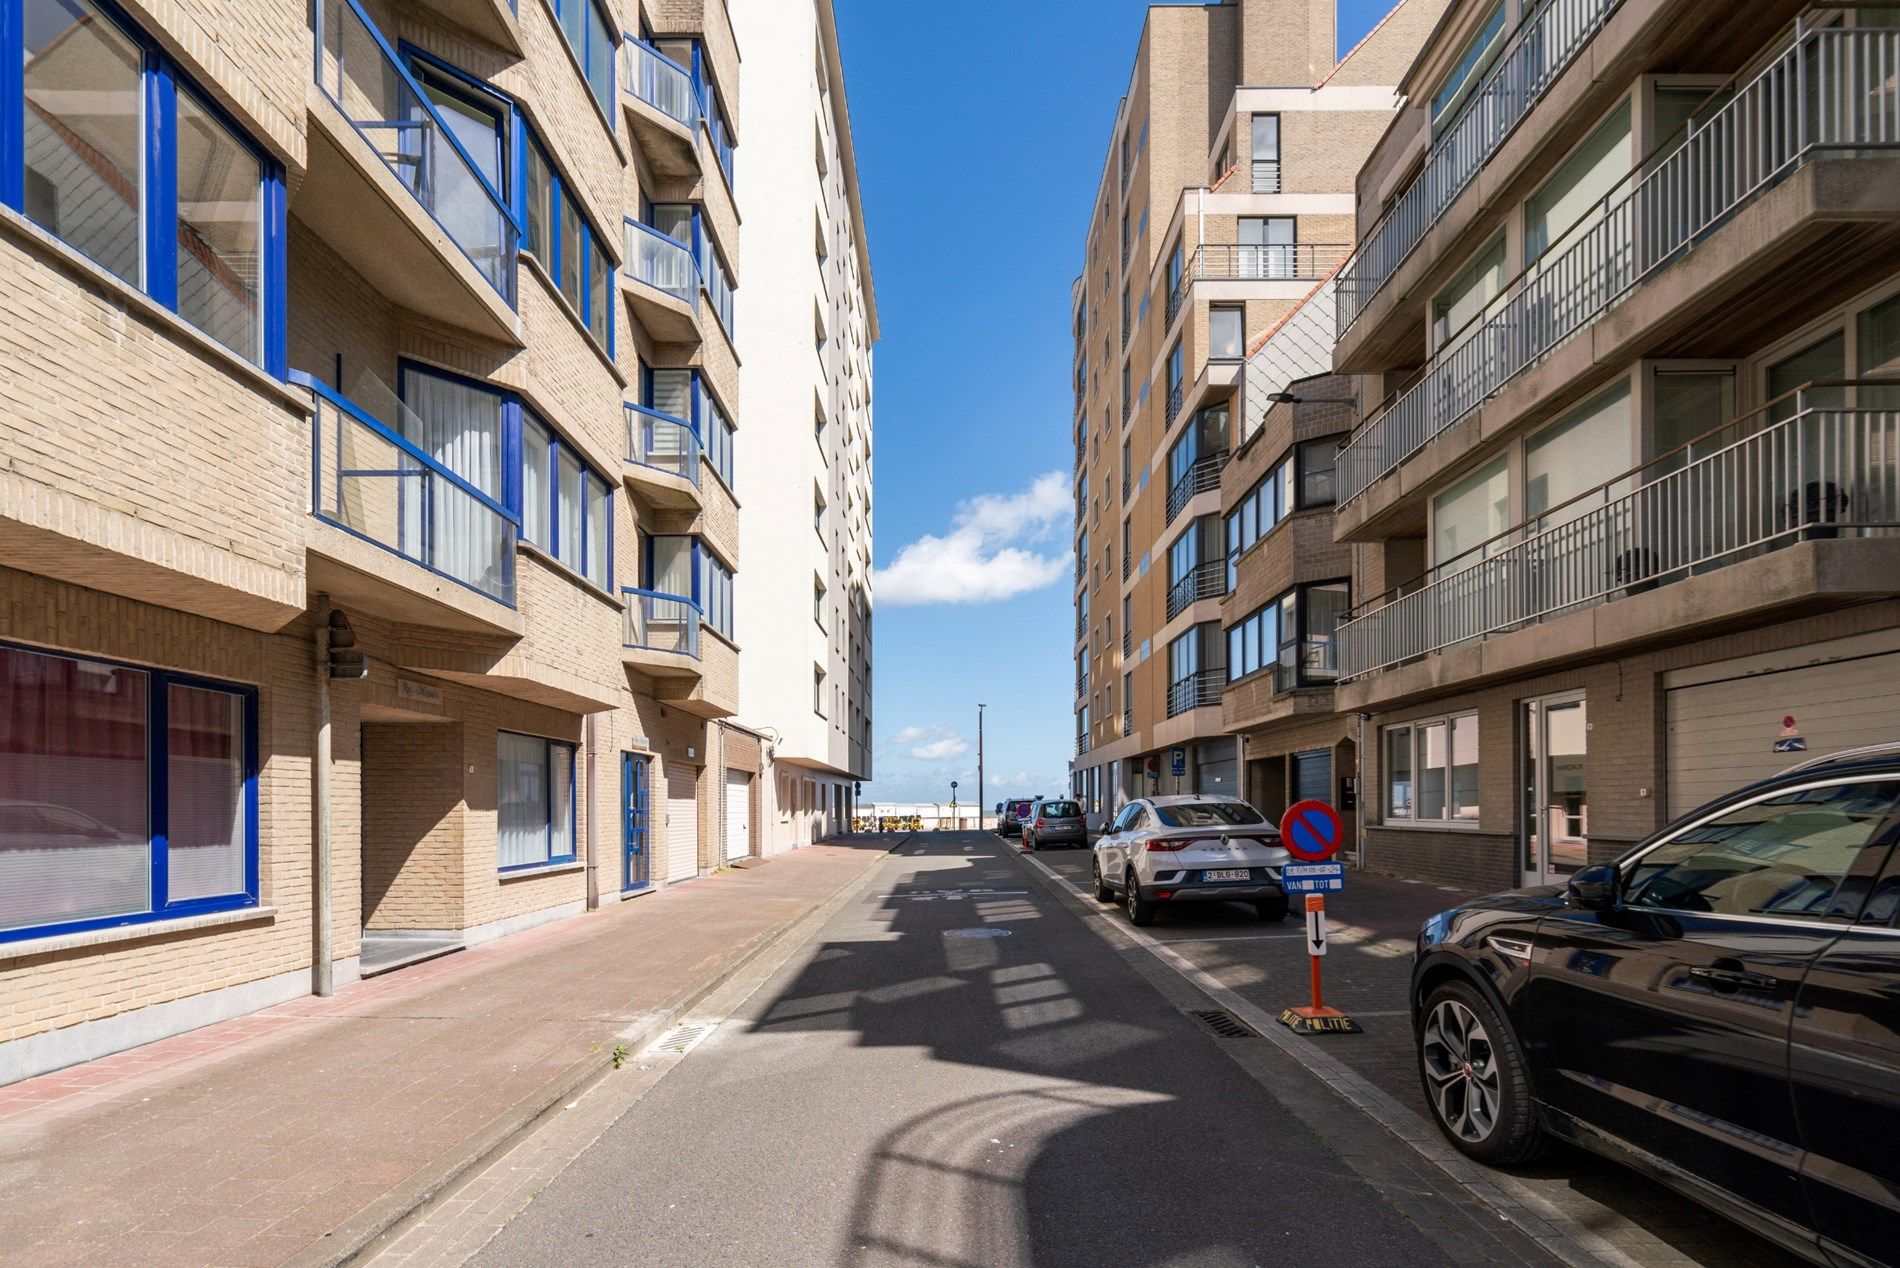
(1311, 831)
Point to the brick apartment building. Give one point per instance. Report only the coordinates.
(1225, 197)
(404, 327)
(1625, 290)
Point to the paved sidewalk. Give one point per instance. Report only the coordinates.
(252, 1141)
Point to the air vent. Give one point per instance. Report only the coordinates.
(1225, 1024)
(681, 1040)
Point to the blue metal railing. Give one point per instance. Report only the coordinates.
(661, 82)
(661, 622)
(369, 480)
(662, 442)
(359, 71)
(662, 262)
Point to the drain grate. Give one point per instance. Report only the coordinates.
(680, 1040)
(1224, 1024)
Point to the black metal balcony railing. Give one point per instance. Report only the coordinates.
(1278, 262)
(1081, 625)
(1128, 566)
(1128, 643)
(1202, 476)
(1176, 395)
(1203, 581)
(1081, 685)
(1196, 691)
(1128, 487)
(1266, 176)
(1081, 745)
(1128, 720)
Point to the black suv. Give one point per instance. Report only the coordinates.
(1010, 814)
(1719, 1008)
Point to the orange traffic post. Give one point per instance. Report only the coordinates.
(1317, 1018)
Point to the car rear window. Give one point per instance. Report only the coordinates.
(1060, 810)
(1207, 814)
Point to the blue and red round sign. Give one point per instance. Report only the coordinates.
(1311, 831)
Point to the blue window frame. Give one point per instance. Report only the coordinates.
(636, 787)
(683, 394)
(127, 794)
(559, 234)
(534, 809)
(590, 37)
(141, 172)
(680, 565)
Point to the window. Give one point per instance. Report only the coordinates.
(590, 36)
(1471, 513)
(206, 240)
(1226, 332)
(1268, 246)
(1431, 770)
(1296, 632)
(1318, 482)
(534, 812)
(561, 237)
(1555, 216)
(99, 824)
(1472, 62)
(717, 598)
(537, 491)
(718, 438)
(1586, 449)
(818, 605)
(1208, 814)
(1455, 309)
(818, 691)
(1266, 153)
(1782, 856)
(1257, 514)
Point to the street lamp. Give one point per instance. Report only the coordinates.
(980, 803)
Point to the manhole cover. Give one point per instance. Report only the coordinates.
(976, 933)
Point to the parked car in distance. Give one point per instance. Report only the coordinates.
(1190, 849)
(1009, 816)
(1718, 1008)
(1057, 821)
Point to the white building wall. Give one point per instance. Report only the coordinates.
(809, 321)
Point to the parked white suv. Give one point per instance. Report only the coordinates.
(1190, 849)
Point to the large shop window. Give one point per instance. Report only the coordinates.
(535, 812)
(110, 149)
(1431, 771)
(126, 795)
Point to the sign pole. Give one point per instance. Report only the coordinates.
(1311, 832)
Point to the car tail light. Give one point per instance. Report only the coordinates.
(1039, 823)
(1164, 893)
(1163, 845)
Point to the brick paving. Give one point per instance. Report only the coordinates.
(247, 1142)
(1371, 932)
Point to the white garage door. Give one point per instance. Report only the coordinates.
(738, 814)
(1722, 734)
(682, 823)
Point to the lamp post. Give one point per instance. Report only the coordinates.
(980, 803)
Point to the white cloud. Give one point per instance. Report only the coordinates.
(984, 558)
(941, 750)
(908, 735)
(926, 743)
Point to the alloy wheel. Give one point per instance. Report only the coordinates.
(1461, 1069)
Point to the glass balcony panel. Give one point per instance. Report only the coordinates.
(662, 622)
(662, 263)
(662, 442)
(659, 81)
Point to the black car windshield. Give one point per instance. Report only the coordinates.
(1207, 814)
(1061, 810)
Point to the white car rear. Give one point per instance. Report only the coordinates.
(1190, 849)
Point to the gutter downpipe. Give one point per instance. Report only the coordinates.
(321, 980)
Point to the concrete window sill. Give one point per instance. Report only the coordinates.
(552, 869)
(134, 932)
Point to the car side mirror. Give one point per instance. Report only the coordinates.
(1595, 888)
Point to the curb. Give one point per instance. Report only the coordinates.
(359, 1237)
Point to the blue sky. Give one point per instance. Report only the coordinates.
(981, 128)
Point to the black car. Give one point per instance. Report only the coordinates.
(1719, 1008)
(1010, 814)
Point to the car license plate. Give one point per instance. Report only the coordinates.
(1225, 874)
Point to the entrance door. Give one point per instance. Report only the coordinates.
(682, 822)
(738, 814)
(1556, 810)
(636, 791)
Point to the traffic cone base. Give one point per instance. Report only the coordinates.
(1319, 1021)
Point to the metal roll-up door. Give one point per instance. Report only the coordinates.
(682, 822)
(1313, 775)
(738, 814)
(1722, 734)
(1216, 775)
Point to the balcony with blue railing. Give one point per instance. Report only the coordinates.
(1830, 92)
(1534, 58)
(663, 458)
(371, 481)
(662, 108)
(662, 632)
(662, 283)
(455, 260)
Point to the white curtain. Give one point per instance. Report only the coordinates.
(521, 827)
(460, 427)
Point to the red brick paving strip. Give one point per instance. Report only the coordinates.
(246, 1142)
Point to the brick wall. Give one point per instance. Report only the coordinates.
(411, 833)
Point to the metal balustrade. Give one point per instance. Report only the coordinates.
(1128, 720)
(1081, 685)
(660, 622)
(1202, 476)
(370, 480)
(1128, 643)
(360, 73)
(1081, 745)
(1196, 691)
(1538, 52)
(1203, 581)
(1830, 90)
(1176, 395)
(1266, 176)
(1256, 262)
(653, 77)
(662, 442)
(1826, 472)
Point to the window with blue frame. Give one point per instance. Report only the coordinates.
(718, 600)
(534, 812)
(558, 234)
(719, 440)
(107, 146)
(680, 565)
(126, 794)
(683, 394)
(590, 37)
(565, 504)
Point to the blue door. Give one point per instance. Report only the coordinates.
(635, 788)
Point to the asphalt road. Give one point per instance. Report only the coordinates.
(957, 1071)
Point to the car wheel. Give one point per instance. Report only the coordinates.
(1272, 910)
(1103, 894)
(1475, 1078)
(1141, 911)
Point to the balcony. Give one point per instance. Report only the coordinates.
(1830, 92)
(392, 189)
(1230, 262)
(1082, 745)
(1128, 720)
(661, 635)
(1081, 625)
(1826, 474)
(1203, 581)
(1196, 691)
(1081, 686)
(662, 109)
(380, 490)
(1203, 475)
(1128, 643)
(1536, 55)
(662, 284)
(663, 459)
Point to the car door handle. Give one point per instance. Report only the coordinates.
(1734, 979)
